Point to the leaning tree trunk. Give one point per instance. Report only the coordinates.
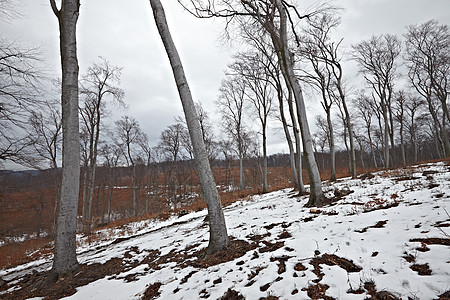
(298, 150)
(65, 257)
(288, 139)
(279, 40)
(332, 147)
(218, 237)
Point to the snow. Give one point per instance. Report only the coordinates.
(423, 200)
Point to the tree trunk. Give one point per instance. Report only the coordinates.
(332, 148)
(279, 40)
(386, 136)
(298, 150)
(133, 184)
(218, 237)
(351, 138)
(65, 257)
(289, 141)
(264, 160)
(241, 169)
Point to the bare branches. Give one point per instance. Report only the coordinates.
(55, 8)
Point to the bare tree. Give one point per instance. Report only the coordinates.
(44, 133)
(170, 144)
(275, 18)
(231, 105)
(218, 237)
(250, 67)
(400, 115)
(111, 153)
(207, 131)
(147, 153)
(324, 55)
(377, 61)
(128, 136)
(365, 112)
(413, 107)
(20, 89)
(98, 84)
(427, 47)
(65, 257)
(262, 44)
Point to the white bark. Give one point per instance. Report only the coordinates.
(218, 237)
(279, 40)
(65, 259)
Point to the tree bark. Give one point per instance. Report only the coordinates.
(218, 237)
(279, 39)
(65, 258)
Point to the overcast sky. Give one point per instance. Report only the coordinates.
(124, 33)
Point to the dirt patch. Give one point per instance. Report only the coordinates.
(270, 247)
(366, 176)
(309, 219)
(281, 262)
(186, 278)
(404, 178)
(332, 260)
(299, 267)
(265, 287)
(38, 285)
(432, 241)
(382, 295)
(422, 270)
(45, 285)
(236, 249)
(380, 224)
(284, 234)
(317, 291)
(442, 224)
(152, 291)
(445, 296)
(409, 258)
(232, 295)
(253, 274)
(257, 237)
(429, 172)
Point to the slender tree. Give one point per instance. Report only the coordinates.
(377, 59)
(98, 86)
(128, 136)
(250, 67)
(218, 237)
(231, 104)
(275, 18)
(427, 47)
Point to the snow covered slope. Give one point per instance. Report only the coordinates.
(385, 234)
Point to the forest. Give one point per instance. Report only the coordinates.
(88, 168)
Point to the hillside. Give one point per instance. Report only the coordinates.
(383, 236)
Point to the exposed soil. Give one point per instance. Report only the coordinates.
(152, 291)
(332, 260)
(432, 241)
(317, 291)
(404, 178)
(380, 224)
(270, 247)
(422, 270)
(39, 285)
(376, 295)
(281, 262)
(232, 295)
